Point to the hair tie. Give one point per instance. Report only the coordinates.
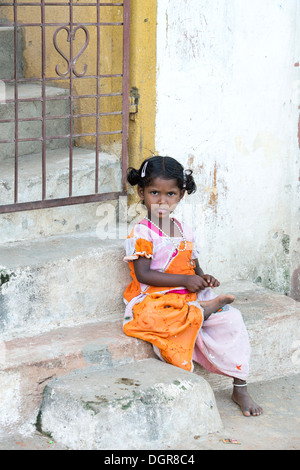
(184, 179)
(143, 172)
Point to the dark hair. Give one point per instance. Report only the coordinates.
(163, 167)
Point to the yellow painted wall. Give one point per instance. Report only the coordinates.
(143, 77)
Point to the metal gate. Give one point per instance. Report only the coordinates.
(64, 102)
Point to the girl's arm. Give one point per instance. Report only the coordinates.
(198, 270)
(210, 280)
(151, 277)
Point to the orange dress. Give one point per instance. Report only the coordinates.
(172, 318)
(162, 316)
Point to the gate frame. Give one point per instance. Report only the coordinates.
(73, 200)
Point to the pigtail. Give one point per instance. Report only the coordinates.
(141, 177)
(189, 182)
(133, 176)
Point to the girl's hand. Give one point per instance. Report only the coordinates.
(195, 283)
(211, 281)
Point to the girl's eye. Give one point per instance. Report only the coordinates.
(155, 193)
(171, 193)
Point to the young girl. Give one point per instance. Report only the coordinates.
(170, 302)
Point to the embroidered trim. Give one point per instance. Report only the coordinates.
(136, 255)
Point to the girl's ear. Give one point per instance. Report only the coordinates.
(182, 193)
(140, 192)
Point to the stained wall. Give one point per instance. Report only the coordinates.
(227, 107)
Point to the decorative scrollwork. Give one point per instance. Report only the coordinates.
(71, 62)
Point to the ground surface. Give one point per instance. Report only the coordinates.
(277, 429)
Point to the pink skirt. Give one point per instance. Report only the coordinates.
(222, 344)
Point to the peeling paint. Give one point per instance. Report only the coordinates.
(295, 285)
(299, 131)
(213, 201)
(5, 276)
(217, 188)
(286, 244)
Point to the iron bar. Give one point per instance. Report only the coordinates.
(125, 123)
(43, 100)
(107, 4)
(97, 103)
(51, 79)
(16, 106)
(63, 136)
(63, 116)
(68, 201)
(71, 101)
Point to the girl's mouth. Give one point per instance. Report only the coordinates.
(163, 210)
(159, 211)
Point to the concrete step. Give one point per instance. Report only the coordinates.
(276, 429)
(28, 364)
(41, 274)
(56, 221)
(7, 52)
(147, 405)
(60, 282)
(57, 171)
(273, 324)
(30, 106)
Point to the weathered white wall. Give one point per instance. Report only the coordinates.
(227, 107)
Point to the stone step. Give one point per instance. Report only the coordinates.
(57, 175)
(277, 428)
(7, 52)
(28, 364)
(41, 274)
(273, 324)
(147, 405)
(30, 106)
(56, 221)
(60, 281)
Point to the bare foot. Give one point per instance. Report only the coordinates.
(242, 398)
(212, 306)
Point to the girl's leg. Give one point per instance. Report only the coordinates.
(212, 306)
(242, 398)
(216, 341)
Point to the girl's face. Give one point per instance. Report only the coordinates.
(161, 197)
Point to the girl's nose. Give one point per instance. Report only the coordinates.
(162, 199)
